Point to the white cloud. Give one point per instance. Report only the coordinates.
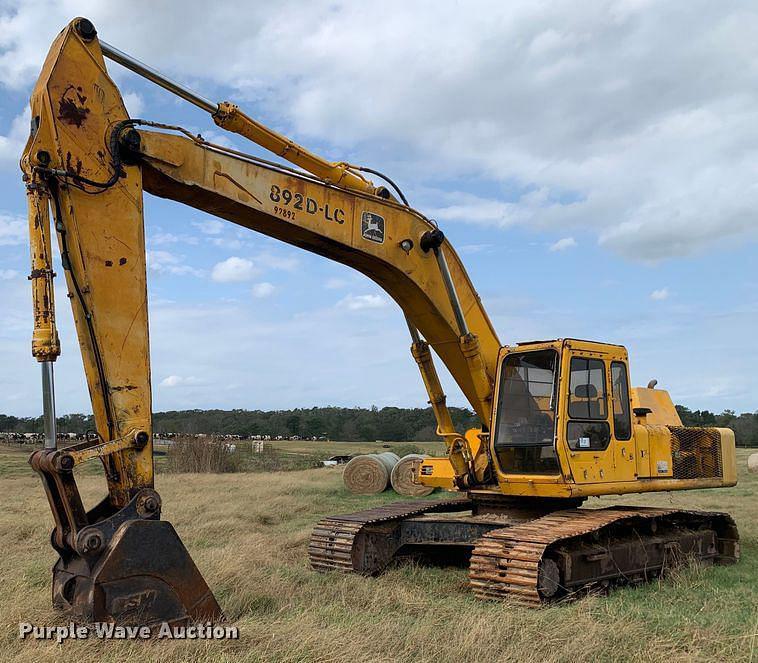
(178, 381)
(473, 209)
(165, 262)
(335, 284)
(220, 137)
(233, 269)
(262, 290)
(230, 243)
(12, 144)
(563, 244)
(471, 249)
(660, 294)
(358, 302)
(273, 261)
(8, 274)
(134, 103)
(164, 238)
(214, 232)
(13, 230)
(210, 226)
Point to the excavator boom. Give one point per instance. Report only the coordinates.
(89, 163)
(378, 237)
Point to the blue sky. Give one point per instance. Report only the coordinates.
(596, 169)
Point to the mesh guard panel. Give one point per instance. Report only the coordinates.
(696, 453)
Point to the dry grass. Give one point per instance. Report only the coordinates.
(248, 534)
(187, 455)
(216, 455)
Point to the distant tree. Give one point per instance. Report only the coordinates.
(293, 424)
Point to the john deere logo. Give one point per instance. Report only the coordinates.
(372, 227)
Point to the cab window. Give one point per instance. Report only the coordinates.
(588, 435)
(587, 389)
(622, 422)
(525, 423)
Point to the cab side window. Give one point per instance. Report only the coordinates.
(587, 389)
(587, 429)
(622, 421)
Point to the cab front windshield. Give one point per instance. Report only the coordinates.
(525, 426)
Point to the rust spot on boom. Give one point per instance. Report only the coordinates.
(71, 108)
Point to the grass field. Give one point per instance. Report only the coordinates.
(248, 533)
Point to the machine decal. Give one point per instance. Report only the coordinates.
(289, 204)
(372, 227)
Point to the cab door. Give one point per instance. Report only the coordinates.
(596, 424)
(624, 443)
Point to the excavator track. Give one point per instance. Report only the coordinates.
(335, 543)
(565, 553)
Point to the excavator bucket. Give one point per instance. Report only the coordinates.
(119, 565)
(144, 576)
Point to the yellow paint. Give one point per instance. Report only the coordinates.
(659, 444)
(728, 455)
(659, 402)
(437, 472)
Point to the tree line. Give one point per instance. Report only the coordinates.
(745, 425)
(337, 423)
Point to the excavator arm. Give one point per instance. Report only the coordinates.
(89, 163)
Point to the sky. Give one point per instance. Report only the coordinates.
(595, 165)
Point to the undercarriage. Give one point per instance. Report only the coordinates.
(530, 552)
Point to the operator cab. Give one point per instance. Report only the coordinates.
(563, 409)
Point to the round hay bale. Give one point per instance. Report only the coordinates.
(389, 460)
(752, 463)
(402, 478)
(369, 474)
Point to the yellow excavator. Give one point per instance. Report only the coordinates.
(559, 421)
